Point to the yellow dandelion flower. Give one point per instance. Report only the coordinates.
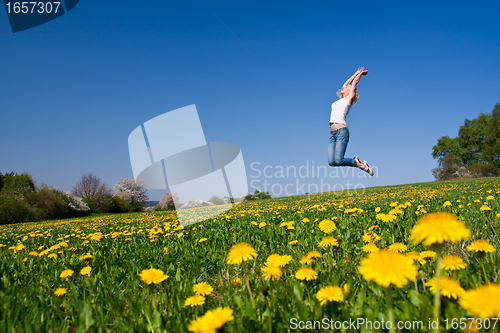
(85, 270)
(481, 246)
(276, 259)
(370, 237)
(305, 220)
(377, 209)
(328, 241)
(314, 254)
(60, 291)
(385, 267)
(87, 256)
(395, 211)
(306, 273)
(448, 287)
(484, 207)
(327, 226)
(165, 250)
(490, 197)
(428, 254)
(347, 290)
(262, 224)
(482, 301)
(152, 275)
(370, 248)
(294, 242)
(398, 247)
(438, 228)
(385, 217)
(194, 301)
(472, 326)
(19, 247)
(416, 256)
(372, 227)
(33, 254)
(271, 271)
(452, 263)
(254, 223)
(66, 273)
(329, 294)
(306, 260)
(236, 282)
(447, 203)
(203, 240)
(241, 252)
(211, 321)
(202, 289)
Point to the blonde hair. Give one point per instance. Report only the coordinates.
(354, 99)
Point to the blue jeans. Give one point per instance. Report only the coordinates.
(336, 149)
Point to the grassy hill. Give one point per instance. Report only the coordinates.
(258, 294)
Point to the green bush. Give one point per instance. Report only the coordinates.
(100, 205)
(120, 205)
(14, 210)
(49, 203)
(257, 195)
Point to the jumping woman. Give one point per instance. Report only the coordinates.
(339, 134)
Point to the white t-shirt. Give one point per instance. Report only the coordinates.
(340, 109)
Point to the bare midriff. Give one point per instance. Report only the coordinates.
(336, 126)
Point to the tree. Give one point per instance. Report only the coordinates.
(168, 200)
(17, 182)
(132, 191)
(94, 192)
(90, 187)
(216, 200)
(476, 149)
(2, 177)
(257, 195)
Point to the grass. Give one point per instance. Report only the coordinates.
(112, 297)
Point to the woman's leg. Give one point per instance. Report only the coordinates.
(331, 148)
(337, 147)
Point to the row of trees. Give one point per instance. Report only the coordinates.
(474, 153)
(21, 200)
(169, 201)
(129, 195)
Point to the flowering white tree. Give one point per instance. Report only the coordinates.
(168, 200)
(133, 191)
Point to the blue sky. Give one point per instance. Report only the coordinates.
(262, 75)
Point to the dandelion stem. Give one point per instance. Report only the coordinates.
(437, 296)
(248, 287)
(329, 262)
(484, 272)
(391, 313)
(151, 288)
(308, 294)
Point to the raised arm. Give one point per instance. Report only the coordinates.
(352, 77)
(355, 81)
